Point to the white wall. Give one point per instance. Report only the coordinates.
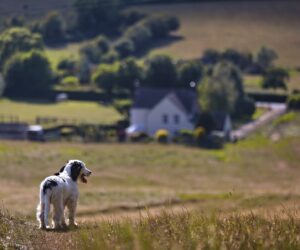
(139, 117)
(155, 118)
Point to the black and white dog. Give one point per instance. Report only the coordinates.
(61, 190)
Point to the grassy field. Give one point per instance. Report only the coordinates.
(244, 25)
(134, 175)
(167, 231)
(88, 112)
(242, 197)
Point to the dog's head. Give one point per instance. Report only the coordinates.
(76, 169)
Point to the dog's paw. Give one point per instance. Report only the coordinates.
(73, 225)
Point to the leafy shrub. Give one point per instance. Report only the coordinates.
(123, 106)
(125, 47)
(293, 101)
(28, 74)
(105, 77)
(2, 85)
(199, 133)
(18, 40)
(110, 57)
(275, 78)
(185, 136)
(130, 17)
(244, 107)
(139, 34)
(162, 135)
(52, 28)
(91, 51)
(70, 81)
(139, 137)
(102, 43)
(67, 64)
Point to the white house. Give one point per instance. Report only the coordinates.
(163, 108)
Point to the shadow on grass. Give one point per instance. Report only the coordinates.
(160, 43)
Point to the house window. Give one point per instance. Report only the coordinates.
(165, 118)
(176, 119)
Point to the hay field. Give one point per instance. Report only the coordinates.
(245, 25)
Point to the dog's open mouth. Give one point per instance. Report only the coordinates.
(83, 178)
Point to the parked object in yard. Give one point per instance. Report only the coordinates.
(35, 133)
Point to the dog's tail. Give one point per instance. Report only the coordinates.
(43, 209)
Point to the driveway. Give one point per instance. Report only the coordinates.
(274, 110)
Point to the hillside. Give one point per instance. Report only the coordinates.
(244, 25)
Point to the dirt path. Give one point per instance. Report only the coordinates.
(274, 110)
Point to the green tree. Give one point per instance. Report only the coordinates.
(84, 70)
(106, 77)
(275, 78)
(2, 85)
(102, 43)
(219, 92)
(264, 58)
(91, 51)
(27, 74)
(17, 40)
(96, 16)
(53, 29)
(129, 73)
(189, 72)
(242, 60)
(160, 71)
(140, 35)
(211, 56)
(125, 47)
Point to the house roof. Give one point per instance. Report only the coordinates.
(147, 98)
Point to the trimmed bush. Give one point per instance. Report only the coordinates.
(162, 136)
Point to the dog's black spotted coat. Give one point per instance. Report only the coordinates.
(48, 185)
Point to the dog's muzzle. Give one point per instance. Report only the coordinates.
(85, 174)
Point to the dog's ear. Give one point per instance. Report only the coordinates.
(75, 170)
(60, 171)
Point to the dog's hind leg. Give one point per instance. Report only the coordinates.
(58, 213)
(46, 210)
(40, 215)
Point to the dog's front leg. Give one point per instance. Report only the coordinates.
(72, 211)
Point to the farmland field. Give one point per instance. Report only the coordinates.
(244, 25)
(87, 112)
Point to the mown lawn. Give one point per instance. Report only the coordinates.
(87, 112)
